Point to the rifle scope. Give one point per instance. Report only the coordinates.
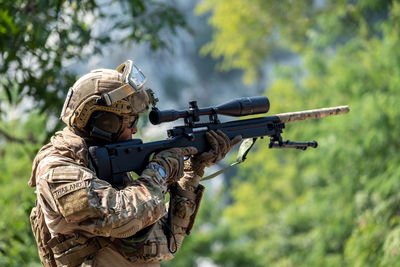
(237, 107)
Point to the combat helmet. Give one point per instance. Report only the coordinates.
(104, 102)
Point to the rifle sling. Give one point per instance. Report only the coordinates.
(244, 149)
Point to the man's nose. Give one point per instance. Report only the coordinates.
(134, 130)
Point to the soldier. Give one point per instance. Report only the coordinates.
(80, 220)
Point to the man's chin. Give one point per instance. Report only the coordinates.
(125, 138)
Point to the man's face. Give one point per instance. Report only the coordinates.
(132, 129)
(127, 134)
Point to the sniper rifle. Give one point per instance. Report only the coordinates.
(111, 161)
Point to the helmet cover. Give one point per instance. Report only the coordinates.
(84, 100)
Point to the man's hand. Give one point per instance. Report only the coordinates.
(172, 161)
(220, 146)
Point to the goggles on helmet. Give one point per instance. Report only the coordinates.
(134, 80)
(134, 75)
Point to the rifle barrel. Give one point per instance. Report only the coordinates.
(312, 114)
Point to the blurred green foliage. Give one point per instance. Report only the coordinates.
(337, 205)
(245, 34)
(17, 245)
(39, 38)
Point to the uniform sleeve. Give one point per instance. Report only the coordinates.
(185, 204)
(94, 206)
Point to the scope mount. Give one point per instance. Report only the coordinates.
(194, 114)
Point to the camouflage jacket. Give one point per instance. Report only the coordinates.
(78, 206)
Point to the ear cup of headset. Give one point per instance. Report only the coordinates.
(104, 125)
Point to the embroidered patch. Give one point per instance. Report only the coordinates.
(68, 188)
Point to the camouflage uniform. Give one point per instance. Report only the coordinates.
(81, 210)
(82, 220)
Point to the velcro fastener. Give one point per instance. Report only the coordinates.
(64, 174)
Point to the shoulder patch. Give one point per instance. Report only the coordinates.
(65, 174)
(68, 188)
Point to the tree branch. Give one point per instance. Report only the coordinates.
(10, 138)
